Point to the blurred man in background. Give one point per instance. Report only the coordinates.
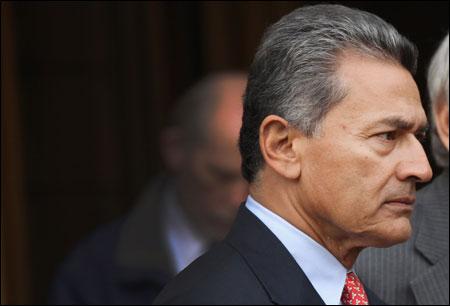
(179, 215)
(416, 272)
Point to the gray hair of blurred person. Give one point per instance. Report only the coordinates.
(293, 74)
(194, 109)
(438, 93)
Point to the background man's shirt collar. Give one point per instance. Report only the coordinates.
(184, 243)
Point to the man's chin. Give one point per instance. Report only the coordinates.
(392, 236)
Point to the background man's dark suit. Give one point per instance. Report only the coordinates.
(250, 267)
(125, 262)
(415, 272)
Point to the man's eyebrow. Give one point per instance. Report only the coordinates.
(399, 123)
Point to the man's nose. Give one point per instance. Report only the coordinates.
(415, 163)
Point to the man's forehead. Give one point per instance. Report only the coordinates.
(225, 121)
(377, 92)
(365, 114)
(401, 122)
(366, 73)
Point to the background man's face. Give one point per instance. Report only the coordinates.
(211, 182)
(216, 188)
(361, 170)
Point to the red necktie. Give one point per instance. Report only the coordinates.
(354, 293)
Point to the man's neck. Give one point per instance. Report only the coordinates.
(283, 204)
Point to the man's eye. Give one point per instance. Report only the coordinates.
(387, 136)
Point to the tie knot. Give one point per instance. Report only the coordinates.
(353, 293)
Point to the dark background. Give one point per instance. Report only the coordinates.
(86, 88)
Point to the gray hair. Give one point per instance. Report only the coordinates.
(438, 93)
(293, 72)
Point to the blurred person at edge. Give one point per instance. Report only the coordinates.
(179, 215)
(416, 272)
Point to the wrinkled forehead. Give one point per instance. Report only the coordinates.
(377, 89)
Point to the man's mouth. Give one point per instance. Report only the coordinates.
(406, 201)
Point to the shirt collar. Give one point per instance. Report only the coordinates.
(184, 242)
(326, 274)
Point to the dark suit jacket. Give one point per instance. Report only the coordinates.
(250, 267)
(125, 262)
(417, 271)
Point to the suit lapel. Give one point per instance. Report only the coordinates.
(432, 220)
(431, 287)
(432, 241)
(373, 298)
(271, 262)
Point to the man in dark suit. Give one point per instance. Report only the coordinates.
(329, 144)
(417, 271)
(179, 215)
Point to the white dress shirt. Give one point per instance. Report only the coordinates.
(185, 244)
(326, 274)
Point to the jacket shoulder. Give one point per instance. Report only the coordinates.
(88, 266)
(221, 276)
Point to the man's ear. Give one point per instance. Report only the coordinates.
(441, 117)
(172, 149)
(279, 144)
